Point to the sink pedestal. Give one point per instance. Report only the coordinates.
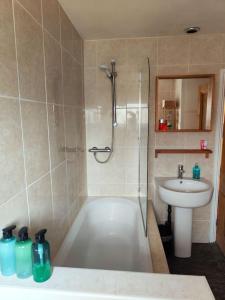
(182, 231)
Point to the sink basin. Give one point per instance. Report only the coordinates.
(184, 195)
(185, 192)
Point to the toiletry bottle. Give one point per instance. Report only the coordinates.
(42, 268)
(196, 171)
(23, 254)
(7, 252)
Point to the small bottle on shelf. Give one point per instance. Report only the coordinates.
(196, 171)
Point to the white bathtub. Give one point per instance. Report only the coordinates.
(107, 234)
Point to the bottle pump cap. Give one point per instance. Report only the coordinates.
(7, 232)
(40, 236)
(23, 234)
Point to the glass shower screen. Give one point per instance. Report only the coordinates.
(144, 90)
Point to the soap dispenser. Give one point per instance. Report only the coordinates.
(42, 268)
(196, 171)
(23, 254)
(7, 252)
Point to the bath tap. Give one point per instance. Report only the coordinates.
(181, 171)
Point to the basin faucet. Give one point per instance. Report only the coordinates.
(180, 171)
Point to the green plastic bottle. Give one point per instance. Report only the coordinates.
(42, 268)
(23, 254)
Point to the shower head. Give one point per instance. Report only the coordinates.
(106, 69)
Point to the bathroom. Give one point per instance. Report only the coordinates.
(76, 78)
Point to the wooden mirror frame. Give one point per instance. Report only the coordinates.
(210, 76)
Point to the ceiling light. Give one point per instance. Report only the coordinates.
(192, 29)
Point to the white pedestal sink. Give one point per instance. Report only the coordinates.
(184, 195)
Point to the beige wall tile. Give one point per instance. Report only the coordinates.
(172, 70)
(131, 156)
(128, 94)
(78, 84)
(132, 132)
(206, 49)
(90, 54)
(121, 129)
(103, 94)
(36, 146)
(60, 201)
(11, 158)
(200, 232)
(192, 140)
(40, 205)
(30, 55)
(34, 8)
(99, 121)
(66, 32)
(169, 140)
(111, 49)
(70, 128)
(68, 80)
(53, 70)
(114, 175)
(90, 88)
(72, 81)
(15, 212)
(131, 175)
(166, 165)
(8, 71)
(202, 213)
(131, 190)
(73, 175)
(139, 49)
(77, 46)
(173, 50)
(51, 19)
(111, 190)
(56, 134)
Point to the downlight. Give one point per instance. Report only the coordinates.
(192, 29)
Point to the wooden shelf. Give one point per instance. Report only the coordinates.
(183, 151)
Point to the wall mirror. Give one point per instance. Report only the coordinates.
(184, 102)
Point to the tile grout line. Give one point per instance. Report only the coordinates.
(37, 101)
(20, 108)
(47, 113)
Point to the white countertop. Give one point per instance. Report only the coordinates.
(72, 283)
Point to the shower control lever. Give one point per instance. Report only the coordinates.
(95, 149)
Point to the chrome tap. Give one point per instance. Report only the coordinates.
(180, 171)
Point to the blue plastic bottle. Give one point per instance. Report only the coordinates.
(7, 252)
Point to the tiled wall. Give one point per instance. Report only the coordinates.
(42, 161)
(168, 55)
(119, 176)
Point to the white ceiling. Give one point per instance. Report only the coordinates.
(97, 19)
